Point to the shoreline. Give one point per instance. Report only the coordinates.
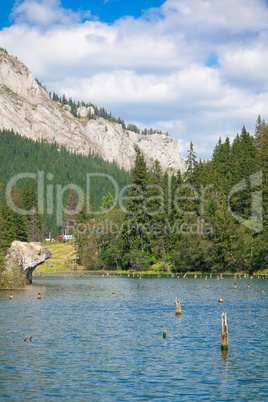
(149, 273)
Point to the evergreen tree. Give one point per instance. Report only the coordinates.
(35, 230)
(135, 233)
(69, 216)
(191, 161)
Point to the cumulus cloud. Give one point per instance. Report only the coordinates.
(195, 68)
(44, 13)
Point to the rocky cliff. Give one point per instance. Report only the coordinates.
(26, 108)
(25, 257)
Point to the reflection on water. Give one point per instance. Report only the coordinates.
(89, 344)
(224, 357)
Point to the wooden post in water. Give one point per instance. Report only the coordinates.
(224, 332)
(177, 307)
(165, 333)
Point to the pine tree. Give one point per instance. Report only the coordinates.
(69, 217)
(264, 166)
(260, 129)
(35, 231)
(191, 162)
(135, 233)
(13, 227)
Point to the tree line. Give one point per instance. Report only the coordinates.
(99, 112)
(213, 218)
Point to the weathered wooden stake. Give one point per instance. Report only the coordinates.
(39, 296)
(10, 296)
(224, 332)
(165, 333)
(177, 307)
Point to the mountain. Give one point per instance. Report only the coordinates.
(26, 108)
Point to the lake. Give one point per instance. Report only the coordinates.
(89, 344)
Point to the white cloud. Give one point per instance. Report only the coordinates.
(152, 70)
(43, 13)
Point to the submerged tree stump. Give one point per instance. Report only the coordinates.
(177, 307)
(224, 332)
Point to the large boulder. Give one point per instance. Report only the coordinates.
(25, 257)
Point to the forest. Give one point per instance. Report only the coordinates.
(58, 168)
(212, 218)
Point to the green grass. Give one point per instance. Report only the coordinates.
(62, 257)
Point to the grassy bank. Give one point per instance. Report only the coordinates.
(61, 260)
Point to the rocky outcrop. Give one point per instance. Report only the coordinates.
(84, 111)
(25, 257)
(26, 108)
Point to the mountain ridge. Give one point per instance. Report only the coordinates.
(26, 108)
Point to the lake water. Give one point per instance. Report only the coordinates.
(89, 344)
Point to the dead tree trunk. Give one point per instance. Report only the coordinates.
(224, 332)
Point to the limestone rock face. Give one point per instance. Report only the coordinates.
(26, 108)
(25, 257)
(114, 144)
(84, 111)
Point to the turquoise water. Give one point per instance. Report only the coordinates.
(91, 345)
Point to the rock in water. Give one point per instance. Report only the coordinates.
(25, 257)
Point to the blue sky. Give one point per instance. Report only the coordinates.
(195, 68)
(106, 11)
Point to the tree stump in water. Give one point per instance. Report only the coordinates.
(224, 332)
(177, 307)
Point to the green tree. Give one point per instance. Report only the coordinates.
(69, 216)
(107, 202)
(191, 162)
(135, 233)
(35, 229)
